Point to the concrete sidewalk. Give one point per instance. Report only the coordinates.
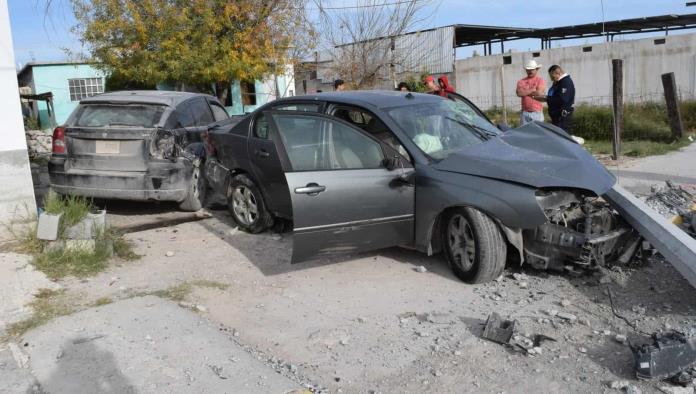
(143, 345)
(638, 176)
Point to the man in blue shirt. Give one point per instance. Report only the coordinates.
(560, 98)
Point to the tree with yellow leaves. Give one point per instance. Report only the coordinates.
(190, 42)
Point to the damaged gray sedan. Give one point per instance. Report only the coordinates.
(358, 171)
(135, 145)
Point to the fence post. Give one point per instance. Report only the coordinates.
(502, 93)
(673, 111)
(617, 100)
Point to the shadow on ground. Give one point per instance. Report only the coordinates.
(81, 367)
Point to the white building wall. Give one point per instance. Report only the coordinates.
(17, 191)
(479, 78)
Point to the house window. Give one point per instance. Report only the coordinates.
(507, 59)
(81, 88)
(660, 41)
(248, 93)
(587, 49)
(536, 54)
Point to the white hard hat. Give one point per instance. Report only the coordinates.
(532, 65)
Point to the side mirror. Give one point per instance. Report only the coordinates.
(392, 163)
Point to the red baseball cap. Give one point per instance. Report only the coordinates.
(429, 78)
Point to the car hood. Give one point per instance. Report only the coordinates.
(536, 154)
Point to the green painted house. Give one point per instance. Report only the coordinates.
(68, 82)
(71, 82)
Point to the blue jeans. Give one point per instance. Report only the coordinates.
(528, 117)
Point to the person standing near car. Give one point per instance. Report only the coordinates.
(339, 85)
(527, 88)
(430, 86)
(560, 98)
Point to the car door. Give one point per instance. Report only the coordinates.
(266, 165)
(344, 199)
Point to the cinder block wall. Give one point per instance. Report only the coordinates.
(479, 78)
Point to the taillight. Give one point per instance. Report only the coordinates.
(59, 140)
(207, 143)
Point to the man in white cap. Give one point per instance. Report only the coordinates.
(527, 88)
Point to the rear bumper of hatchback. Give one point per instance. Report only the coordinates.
(162, 181)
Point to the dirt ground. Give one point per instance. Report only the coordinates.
(372, 323)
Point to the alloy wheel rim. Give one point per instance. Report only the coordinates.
(244, 205)
(460, 238)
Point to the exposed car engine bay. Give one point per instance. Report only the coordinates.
(582, 231)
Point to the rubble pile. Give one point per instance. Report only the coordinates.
(677, 203)
(38, 143)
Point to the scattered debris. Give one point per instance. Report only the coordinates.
(420, 269)
(497, 329)
(671, 200)
(676, 390)
(567, 316)
(169, 254)
(669, 353)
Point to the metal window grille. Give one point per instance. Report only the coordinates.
(85, 87)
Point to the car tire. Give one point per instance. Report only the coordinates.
(473, 245)
(196, 190)
(246, 205)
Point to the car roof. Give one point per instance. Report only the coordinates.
(377, 98)
(161, 97)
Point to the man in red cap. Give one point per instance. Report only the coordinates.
(431, 86)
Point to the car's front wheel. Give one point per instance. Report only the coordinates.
(473, 245)
(246, 205)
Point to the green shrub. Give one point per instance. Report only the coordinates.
(688, 112)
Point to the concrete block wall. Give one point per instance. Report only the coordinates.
(479, 78)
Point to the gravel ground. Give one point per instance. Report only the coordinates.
(374, 322)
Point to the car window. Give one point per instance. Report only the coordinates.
(442, 128)
(184, 116)
(316, 144)
(301, 107)
(370, 123)
(200, 112)
(219, 113)
(261, 127)
(101, 115)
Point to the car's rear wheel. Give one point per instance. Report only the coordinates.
(246, 205)
(473, 245)
(197, 186)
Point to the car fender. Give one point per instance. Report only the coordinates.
(512, 205)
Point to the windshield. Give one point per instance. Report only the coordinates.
(101, 115)
(441, 128)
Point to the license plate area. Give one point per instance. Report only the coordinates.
(107, 147)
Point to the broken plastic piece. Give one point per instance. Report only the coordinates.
(669, 353)
(497, 329)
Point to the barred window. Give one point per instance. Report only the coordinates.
(85, 87)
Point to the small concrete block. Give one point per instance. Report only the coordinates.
(47, 228)
(88, 227)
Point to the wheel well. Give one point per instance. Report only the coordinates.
(435, 234)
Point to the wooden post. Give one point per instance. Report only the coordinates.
(502, 93)
(617, 94)
(673, 111)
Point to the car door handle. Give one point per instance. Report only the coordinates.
(261, 153)
(311, 189)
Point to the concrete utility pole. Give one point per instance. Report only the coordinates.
(673, 110)
(17, 196)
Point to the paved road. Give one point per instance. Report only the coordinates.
(639, 175)
(144, 345)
